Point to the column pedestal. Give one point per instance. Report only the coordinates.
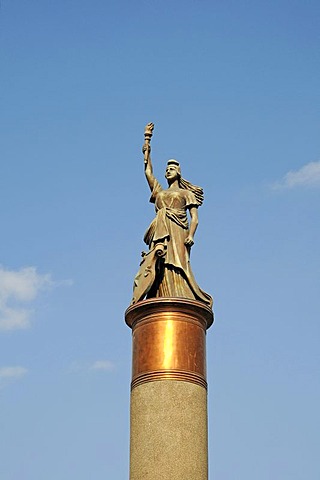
(168, 414)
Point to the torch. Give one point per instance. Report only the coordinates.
(148, 131)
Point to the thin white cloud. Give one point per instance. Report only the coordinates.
(9, 374)
(104, 365)
(98, 365)
(306, 176)
(12, 372)
(14, 318)
(18, 287)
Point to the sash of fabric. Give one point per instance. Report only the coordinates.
(158, 229)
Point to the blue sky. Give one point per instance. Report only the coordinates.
(233, 90)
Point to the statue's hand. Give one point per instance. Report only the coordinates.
(189, 241)
(146, 149)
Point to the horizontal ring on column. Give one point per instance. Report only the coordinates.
(182, 376)
(152, 308)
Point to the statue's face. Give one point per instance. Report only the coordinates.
(172, 173)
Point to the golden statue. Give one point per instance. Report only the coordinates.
(165, 270)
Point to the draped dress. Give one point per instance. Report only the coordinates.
(174, 277)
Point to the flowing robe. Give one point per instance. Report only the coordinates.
(174, 277)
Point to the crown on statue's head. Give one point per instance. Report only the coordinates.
(172, 161)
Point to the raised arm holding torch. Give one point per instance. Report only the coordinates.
(146, 150)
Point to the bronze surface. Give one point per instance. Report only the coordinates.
(169, 340)
(154, 307)
(173, 230)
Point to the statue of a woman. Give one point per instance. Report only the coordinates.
(165, 270)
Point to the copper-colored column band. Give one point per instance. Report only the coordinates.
(169, 340)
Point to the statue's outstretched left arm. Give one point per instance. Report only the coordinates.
(193, 226)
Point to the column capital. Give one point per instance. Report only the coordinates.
(169, 340)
